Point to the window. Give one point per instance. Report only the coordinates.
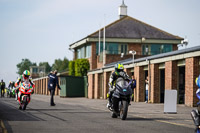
(167, 48)
(112, 48)
(123, 49)
(88, 51)
(101, 48)
(153, 49)
(84, 52)
(78, 53)
(145, 49)
(35, 70)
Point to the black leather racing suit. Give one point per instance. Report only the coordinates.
(113, 77)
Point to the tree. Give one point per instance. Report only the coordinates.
(60, 65)
(24, 65)
(46, 65)
(57, 64)
(65, 64)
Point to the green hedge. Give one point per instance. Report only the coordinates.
(71, 68)
(79, 67)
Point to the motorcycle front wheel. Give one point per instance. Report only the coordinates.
(124, 110)
(24, 104)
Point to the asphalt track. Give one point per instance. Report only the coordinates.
(74, 115)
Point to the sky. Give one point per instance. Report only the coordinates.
(42, 30)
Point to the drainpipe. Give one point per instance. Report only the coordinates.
(149, 80)
(103, 82)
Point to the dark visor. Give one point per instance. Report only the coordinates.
(26, 76)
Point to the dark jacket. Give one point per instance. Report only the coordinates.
(53, 81)
(133, 85)
(115, 75)
(2, 85)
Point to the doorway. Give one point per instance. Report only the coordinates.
(145, 77)
(181, 85)
(101, 86)
(162, 85)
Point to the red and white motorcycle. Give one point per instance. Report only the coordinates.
(24, 94)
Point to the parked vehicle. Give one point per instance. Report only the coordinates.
(24, 94)
(121, 98)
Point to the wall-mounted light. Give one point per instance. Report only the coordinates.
(184, 42)
(143, 39)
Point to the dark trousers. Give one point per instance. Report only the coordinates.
(2, 92)
(52, 94)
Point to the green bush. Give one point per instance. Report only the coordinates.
(81, 67)
(71, 68)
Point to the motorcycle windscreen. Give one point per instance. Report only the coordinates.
(122, 83)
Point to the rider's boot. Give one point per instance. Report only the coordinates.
(109, 104)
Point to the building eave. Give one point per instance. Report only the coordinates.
(78, 43)
(139, 40)
(126, 40)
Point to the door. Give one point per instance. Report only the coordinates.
(162, 85)
(181, 85)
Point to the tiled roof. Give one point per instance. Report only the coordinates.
(128, 27)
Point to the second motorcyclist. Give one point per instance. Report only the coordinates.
(119, 72)
(10, 87)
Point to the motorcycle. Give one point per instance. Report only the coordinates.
(121, 98)
(11, 92)
(24, 94)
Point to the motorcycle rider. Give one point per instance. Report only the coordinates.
(196, 113)
(10, 87)
(119, 72)
(24, 77)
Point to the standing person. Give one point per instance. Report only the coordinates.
(147, 89)
(133, 85)
(3, 85)
(53, 81)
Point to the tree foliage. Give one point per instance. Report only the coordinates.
(24, 65)
(81, 67)
(60, 65)
(46, 65)
(71, 68)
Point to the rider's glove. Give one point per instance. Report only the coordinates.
(112, 88)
